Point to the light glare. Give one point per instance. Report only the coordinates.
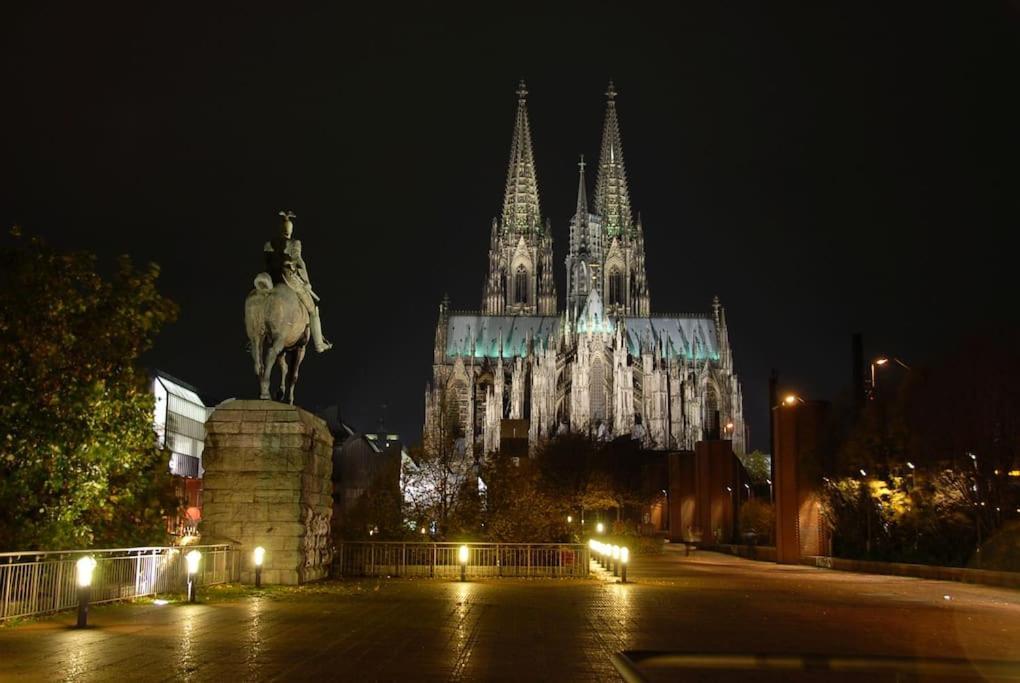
(193, 558)
(85, 566)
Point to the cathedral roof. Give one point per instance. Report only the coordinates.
(481, 335)
(692, 337)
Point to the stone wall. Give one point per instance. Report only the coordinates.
(267, 482)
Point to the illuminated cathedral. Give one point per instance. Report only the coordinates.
(604, 366)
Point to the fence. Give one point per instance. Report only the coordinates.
(441, 560)
(33, 583)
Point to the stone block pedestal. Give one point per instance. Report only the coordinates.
(267, 483)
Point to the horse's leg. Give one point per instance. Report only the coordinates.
(271, 357)
(295, 364)
(281, 393)
(256, 354)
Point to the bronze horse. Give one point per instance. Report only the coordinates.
(277, 325)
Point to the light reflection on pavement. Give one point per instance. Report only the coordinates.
(520, 629)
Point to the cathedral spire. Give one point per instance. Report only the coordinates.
(612, 199)
(520, 202)
(582, 196)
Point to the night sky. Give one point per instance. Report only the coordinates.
(823, 170)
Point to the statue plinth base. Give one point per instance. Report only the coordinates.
(267, 482)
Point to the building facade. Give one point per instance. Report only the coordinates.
(604, 365)
(179, 420)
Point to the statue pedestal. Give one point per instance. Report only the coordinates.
(267, 483)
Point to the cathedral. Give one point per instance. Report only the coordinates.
(604, 366)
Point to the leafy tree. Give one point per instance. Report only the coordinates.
(79, 463)
(758, 466)
(519, 508)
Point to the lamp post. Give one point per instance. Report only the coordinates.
(616, 560)
(463, 556)
(83, 570)
(624, 561)
(193, 558)
(259, 555)
(769, 482)
(882, 362)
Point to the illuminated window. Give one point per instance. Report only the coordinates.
(521, 285)
(615, 287)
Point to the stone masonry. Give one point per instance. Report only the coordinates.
(267, 482)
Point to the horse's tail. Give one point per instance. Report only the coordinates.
(263, 283)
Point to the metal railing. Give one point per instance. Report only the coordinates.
(441, 560)
(34, 583)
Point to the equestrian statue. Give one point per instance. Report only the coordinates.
(281, 314)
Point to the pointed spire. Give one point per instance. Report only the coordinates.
(582, 196)
(612, 199)
(520, 202)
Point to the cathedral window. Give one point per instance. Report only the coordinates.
(615, 287)
(521, 285)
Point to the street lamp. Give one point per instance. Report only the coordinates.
(259, 556)
(193, 558)
(880, 362)
(600, 528)
(570, 519)
(463, 556)
(792, 400)
(769, 482)
(624, 560)
(84, 569)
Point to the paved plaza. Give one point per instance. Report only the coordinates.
(518, 629)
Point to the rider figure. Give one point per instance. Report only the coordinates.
(284, 264)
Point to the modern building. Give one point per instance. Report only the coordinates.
(605, 364)
(179, 420)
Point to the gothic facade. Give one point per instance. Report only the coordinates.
(605, 365)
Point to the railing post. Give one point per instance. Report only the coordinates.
(499, 561)
(403, 559)
(432, 568)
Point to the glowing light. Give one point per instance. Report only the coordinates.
(463, 554)
(625, 555)
(259, 556)
(616, 552)
(1014, 473)
(910, 464)
(570, 519)
(863, 473)
(790, 399)
(881, 361)
(160, 602)
(972, 457)
(85, 566)
(729, 489)
(193, 558)
(600, 528)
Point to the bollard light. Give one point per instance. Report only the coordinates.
(193, 558)
(259, 556)
(84, 569)
(463, 556)
(600, 527)
(624, 560)
(616, 560)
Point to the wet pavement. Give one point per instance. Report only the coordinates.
(545, 629)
